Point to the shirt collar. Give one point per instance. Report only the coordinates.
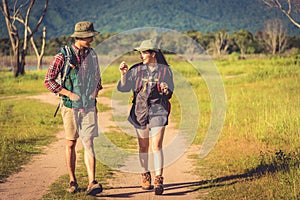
(145, 67)
(76, 49)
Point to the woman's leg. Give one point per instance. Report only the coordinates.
(143, 140)
(157, 136)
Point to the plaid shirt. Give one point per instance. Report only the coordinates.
(57, 65)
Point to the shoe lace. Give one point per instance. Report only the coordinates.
(159, 179)
(146, 176)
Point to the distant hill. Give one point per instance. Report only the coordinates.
(122, 15)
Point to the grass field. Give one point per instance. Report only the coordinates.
(25, 124)
(257, 155)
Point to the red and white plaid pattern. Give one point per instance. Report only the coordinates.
(56, 67)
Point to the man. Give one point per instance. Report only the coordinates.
(77, 68)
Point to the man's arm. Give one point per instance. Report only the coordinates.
(51, 76)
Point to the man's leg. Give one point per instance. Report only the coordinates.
(90, 161)
(71, 159)
(88, 129)
(71, 135)
(89, 158)
(71, 162)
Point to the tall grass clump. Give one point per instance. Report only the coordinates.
(257, 155)
(28, 84)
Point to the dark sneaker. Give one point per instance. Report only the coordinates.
(146, 181)
(73, 186)
(158, 185)
(94, 188)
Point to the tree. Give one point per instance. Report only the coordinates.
(287, 7)
(41, 54)
(207, 42)
(221, 41)
(13, 14)
(243, 39)
(274, 36)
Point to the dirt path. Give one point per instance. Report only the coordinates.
(36, 177)
(33, 181)
(178, 182)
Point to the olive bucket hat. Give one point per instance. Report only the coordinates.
(147, 45)
(84, 29)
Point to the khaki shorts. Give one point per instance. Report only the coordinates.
(86, 126)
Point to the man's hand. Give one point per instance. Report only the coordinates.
(94, 95)
(73, 96)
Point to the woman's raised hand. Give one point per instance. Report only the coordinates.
(123, 68)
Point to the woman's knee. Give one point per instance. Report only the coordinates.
(156, 147)
(157, 138)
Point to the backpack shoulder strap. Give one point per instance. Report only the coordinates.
(161, 76)
(162, 73)
(66, 51)
(139, 77)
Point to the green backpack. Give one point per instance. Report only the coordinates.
(68, 78)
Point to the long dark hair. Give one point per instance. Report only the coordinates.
(159, 57)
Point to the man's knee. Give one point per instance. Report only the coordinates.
(144, 149)
(88, 143)
(71, 144)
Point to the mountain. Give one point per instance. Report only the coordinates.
(181, 15)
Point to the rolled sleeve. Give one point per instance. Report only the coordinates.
(170, 82)
(53, 71)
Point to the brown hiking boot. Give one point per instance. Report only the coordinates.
(94, 188)
(158, 185)
(73, 186)
(146, 181)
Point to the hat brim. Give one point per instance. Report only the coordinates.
(84, 34)
(144, 49)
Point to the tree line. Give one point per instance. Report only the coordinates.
(272, 39)
(268, 41)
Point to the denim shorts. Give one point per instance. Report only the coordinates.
(157, 117)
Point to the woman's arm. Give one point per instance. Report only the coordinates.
(167, 87)
(125, 83)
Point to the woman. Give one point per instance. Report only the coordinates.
(152, 84)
